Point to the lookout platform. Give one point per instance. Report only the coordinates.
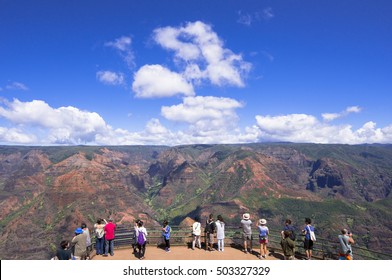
(185, 253)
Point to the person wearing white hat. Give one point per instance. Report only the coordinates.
(246, 225)
(263, 237)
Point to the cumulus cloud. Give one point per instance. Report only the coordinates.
(123, 46)
(15, 136)
(152, 81)
(207, 120)
(333, 116)
(111, 78)
(154, 133)
(203, 53)
(204, 113)
(308, 129)
(65, 125)
(353, 109)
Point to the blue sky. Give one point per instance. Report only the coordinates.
(183, 72)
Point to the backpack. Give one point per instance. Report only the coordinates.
(292, 235)
(140, 238)
(212, 227)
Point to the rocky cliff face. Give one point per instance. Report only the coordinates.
(45, 193)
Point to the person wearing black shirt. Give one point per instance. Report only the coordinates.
(64, 253)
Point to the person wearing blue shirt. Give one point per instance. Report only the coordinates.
(263, 237)
(308, 243)
(289, 227)
(166, 235)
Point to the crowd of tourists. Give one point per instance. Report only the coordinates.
(80, 246)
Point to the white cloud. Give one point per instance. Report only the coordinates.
(157, 81)
(205, 113)
(245, 18)
(167, 37)
(353, 109)
(249, 18)
(64, 125)
(308, 129)
(206, 120)
(110, 78)
(153, 134)
(15, 136)
(123, 43)
(123, 46)
(16, 86)
(155, 127)
(332, 116)
(203, 53)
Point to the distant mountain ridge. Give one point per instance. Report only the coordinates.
(46, 192)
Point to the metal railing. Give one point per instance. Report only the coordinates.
(182, 236)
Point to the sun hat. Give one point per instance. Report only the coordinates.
(262, 221)
(246, 216)
(78, 230)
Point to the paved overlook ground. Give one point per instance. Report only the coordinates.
(185, 253)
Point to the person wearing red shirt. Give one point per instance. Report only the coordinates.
(109, 229)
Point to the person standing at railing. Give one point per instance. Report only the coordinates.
(86, 231)
(288, 245)
(196, 232)
(141, 237)
(246, 225)
(109, 228)
(166, 230)
(308, 243)
(289, 227)
(220, 233)
(210, 232)
(99, 236)
(134, 244)
(79, 241)
(345, 240)
(263, 237)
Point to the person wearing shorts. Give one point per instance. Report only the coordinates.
(246, 225)
(210, 231)
(263, 237)
(308, 243)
